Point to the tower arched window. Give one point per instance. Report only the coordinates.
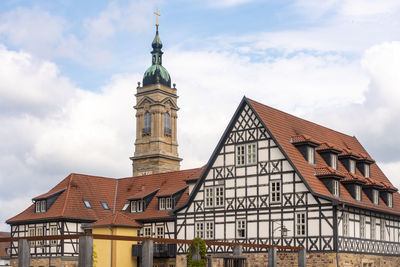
(147, 123)
(167, 124)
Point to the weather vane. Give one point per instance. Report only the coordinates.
(157, 15)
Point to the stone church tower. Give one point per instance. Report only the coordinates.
(156, 146)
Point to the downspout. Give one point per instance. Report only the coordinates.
(111, 229)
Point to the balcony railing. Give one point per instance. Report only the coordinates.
(159, 250)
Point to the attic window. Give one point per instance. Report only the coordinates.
(375, 197)
(125, 206)
(137, 206)
(104, 204)
(40, 206)
(165, 203)
(390, 200)
(352, 166)
(335, 188)
(334, 159)
(366, 170)
(87, 204)
(358, 192)
(311, 155)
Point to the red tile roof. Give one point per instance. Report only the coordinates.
(284, 127)
(116, 219)
(79, 187)
(3, 246)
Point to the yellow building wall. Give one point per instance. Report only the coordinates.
(124, 248)
(120, 252)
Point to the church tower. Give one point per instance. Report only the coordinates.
(156, 146)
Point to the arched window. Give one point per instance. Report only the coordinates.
(147, 123)
(167, 124)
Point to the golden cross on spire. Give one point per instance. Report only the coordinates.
(157, 15)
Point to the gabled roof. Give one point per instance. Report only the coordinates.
(78, 187)
(3, 246)
(116, 219)
(284, 126)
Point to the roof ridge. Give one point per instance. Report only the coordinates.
(293, 116)
(161, 173)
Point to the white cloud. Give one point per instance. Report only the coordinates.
(228, 3)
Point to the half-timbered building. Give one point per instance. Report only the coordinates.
(273, 178)
(278, 179)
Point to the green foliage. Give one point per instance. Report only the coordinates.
(94, 256)
(197, 242)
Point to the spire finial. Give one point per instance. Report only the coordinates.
(157, 15)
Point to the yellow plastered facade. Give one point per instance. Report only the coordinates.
(112, 252)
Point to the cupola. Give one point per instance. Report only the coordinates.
(156, 73)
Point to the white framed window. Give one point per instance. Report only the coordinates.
(251, 153)
(241, 228)
(160, 231)
(209, 233)
(32, 232)
(373, 228)
(246, 154)
(147, 231)
(390, 200)
(375, 196)
(301, 223)
(53, 231)
(43, 206)
(209, 197)
(334, 159)
(311, 155)
(352, 166)
(219, 196)
(275, 191)
(383, 229)
(362, 226)
(345, 224)
(366, 170)
(358, 192)
(162, 203)
(335, 188)
(240, 155)
(168, 203)
(199, 231)
(37, 206)
(39, 232)
(137, 205)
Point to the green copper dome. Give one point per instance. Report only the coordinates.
(156, 73)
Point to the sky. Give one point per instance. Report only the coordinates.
(69, 71)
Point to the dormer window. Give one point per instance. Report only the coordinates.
(352, 166)
(358, 192)
(375, 196)
(366, 170)
(137, 205)
(335, 188)
(333, 162)
(40, 206)
(165, 203)
(311, 155)
(390, 200)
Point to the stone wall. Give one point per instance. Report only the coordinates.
(56, 262)
(317, 259)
